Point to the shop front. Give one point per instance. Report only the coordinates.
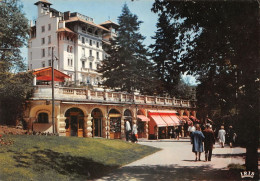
(142, 123)
(74, 122)
(157, 127)
(115, 124)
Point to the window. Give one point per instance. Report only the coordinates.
(83, 52)
(43, 118)
(97, 55)
(43, 63)
(71, 49)
(49, 63)
(49, 27)
(97, 44)
(90, 65)
(68, 62)
(49, 39)
(43, 52)
(90, 42)
(43, 29)
(83, 40)
(83, 64)
(68, 48)
(43, 41)
(84, 29)
(49, 51)
(90, 53)
(71, 62)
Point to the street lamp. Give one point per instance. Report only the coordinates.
(52, 90)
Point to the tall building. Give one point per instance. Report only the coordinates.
(77, 43)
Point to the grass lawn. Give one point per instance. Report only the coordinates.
(65, 158)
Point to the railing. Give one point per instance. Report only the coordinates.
(83, 94)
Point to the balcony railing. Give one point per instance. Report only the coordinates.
(80, 94)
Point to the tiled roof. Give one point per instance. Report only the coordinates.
(43, 1)
(72, 19)
(65, 29)
(109, 22)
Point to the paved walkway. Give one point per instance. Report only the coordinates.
(176, 162)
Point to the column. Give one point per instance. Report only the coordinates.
(146, 129)
(85, 126)
(31, 121)
(123, 127)
(88, 124)
(62, 125)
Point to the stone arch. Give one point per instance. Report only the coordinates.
(72, 106)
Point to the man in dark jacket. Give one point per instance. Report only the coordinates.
(209, 141)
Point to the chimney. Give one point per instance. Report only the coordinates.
(66, 15)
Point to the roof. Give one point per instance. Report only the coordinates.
(42, 1)
(72, 19)
(109, 22)
(45, 74)
(65, 29)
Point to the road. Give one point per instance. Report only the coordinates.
(177, 162)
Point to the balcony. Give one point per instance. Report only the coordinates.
(85, 95)
(91, 58)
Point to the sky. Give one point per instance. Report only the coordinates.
(101, 11)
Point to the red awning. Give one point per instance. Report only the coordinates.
(168, 120)
(176, 120)
(45, 74)
(48, 78)
(143, 118)
(158, 120)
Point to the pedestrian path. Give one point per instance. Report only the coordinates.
(177, 162)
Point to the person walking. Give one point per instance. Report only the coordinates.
(197, 139)
(134, 132)
(221, 136)
(177, 132)
(127, 130)
(231, 136)
(209, 141)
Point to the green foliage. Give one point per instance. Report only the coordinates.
(65, 158)
(127, 67)
(14, 88)
(225, 54)
(14, 31)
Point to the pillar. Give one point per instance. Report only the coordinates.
(123, 127)
(62, 125)
(104, 127)
(87, 126)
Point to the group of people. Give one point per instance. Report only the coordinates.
(131, 134)
(207, 136)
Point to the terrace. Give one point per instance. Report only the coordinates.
(43, 92)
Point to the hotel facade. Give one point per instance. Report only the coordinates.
(83, 109)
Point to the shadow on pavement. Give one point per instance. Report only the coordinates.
(172, 172)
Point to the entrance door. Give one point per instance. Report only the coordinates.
(97, 127)
(74, 122)
(97, 122)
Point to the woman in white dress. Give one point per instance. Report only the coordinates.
(221, 136)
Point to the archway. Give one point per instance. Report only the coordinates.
(74, 122)
(115, 124)
(97, 116)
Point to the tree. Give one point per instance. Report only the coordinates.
(165, 55)
(127, 67)
(225, 55)
(14, 88)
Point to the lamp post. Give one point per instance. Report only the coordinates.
(52, 91)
